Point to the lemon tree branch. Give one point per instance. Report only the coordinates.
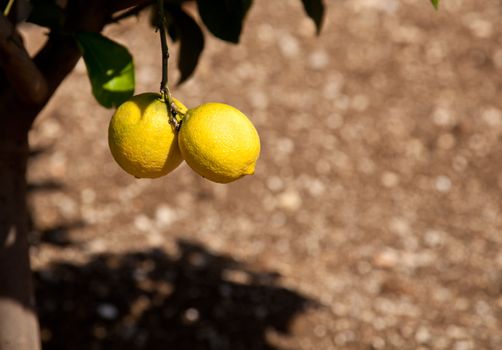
(165, 50)
(21, 72)
(164, 88)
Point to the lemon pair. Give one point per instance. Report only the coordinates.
(216, 140)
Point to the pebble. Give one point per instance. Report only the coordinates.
(360, 103)
(165, 216)
(191, 315)
(400, 226)
(390, 179)
(480, 27)
(290, 200)
(88, 196)
(434, 238)
(275, 183)
(492, 116)
(107, 311)
(318, 59)
(96, 246)
(463, 345)
(422, 335)
(386, 259)
(258, 99)
(442, 117)
(315, 187)
(443, 184)
(142, 222)
(288, 45)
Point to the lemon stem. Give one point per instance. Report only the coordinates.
(164, 88)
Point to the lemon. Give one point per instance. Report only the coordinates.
(219, 142)
(141, 138)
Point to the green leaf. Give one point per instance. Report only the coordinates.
(46, 13)
(110, 68)
(191, 41)
(224, 18)
(435, 3)
(171, 28)
(315, 10)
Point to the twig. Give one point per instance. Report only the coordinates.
(7, 8)
(164, 88)
(21, 72)
(131, 12)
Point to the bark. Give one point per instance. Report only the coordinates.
(26, 85)
(18, 323)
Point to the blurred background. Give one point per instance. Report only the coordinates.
(373, 220)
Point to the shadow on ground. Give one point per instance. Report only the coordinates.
(150, 300)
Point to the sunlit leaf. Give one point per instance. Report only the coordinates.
(110, 68)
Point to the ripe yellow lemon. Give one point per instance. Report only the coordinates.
(141, 138)
(219, 142)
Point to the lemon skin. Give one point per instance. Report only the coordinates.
(219, 142)
(141, 138)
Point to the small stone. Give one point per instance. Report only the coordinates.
(258, 100)
(191, 315)
(289, 46)
(422, 335)
(164, 216)
(433, 238)
(390, 179)
(442, 117)
(266, 33)
(285, 146)
(463, 345)
(88, 196)
(455, 332)
(155, 238)
(480, 27)
(386, 259)
(400, 226)
(107, 311)
(443, 184)
(290, 200)
(316, 187)
(96, 246)
(378, 343)
(142, 222)
(360, 103)
(275, 183)
(492, 116)
(318, 59)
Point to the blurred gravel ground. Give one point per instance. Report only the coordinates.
(378, 193)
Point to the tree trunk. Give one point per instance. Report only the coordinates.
(26, 84)
(18, 322)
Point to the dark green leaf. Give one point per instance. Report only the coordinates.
(46, 13)
(315, 10)
(435, 3)
(224, 18)
(110, 68)
(191, 41)
(171, 28)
